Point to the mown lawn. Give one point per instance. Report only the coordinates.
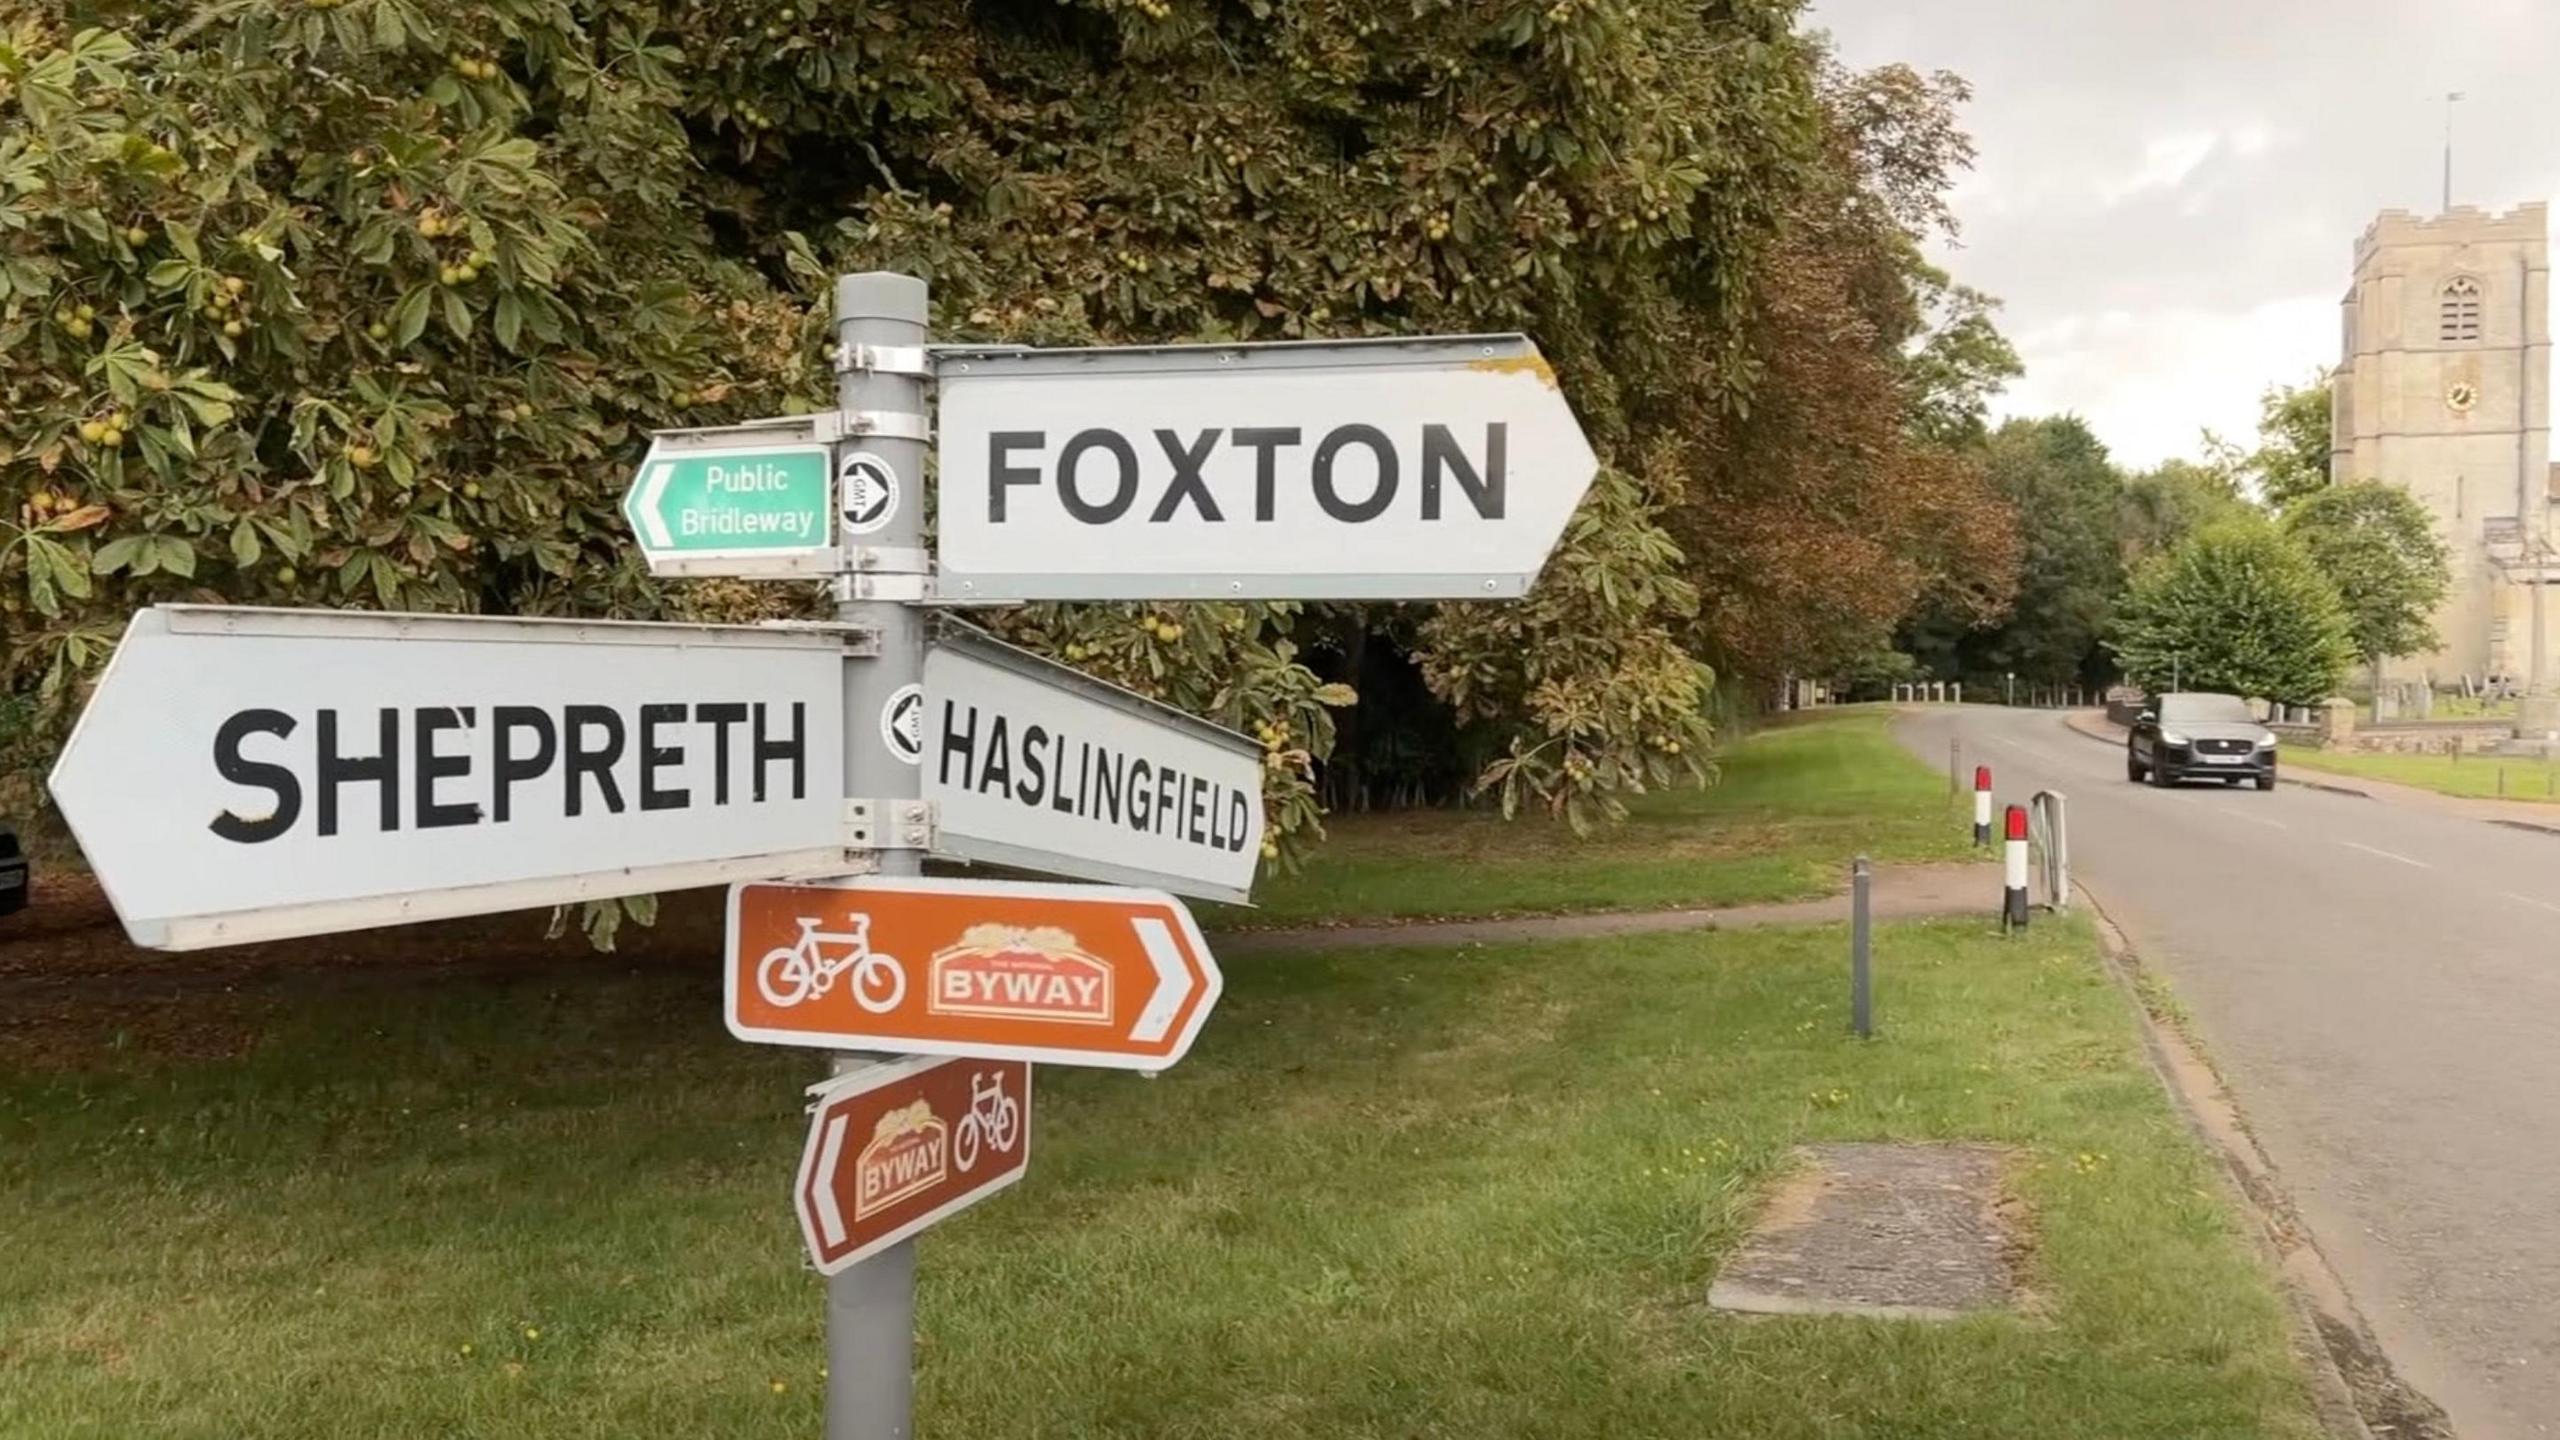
(2476, 776)
(1790, 806)
(1473, 1193)
(1392, 1193)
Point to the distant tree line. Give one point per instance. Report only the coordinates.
(2247, 570)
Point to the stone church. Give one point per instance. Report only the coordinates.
(2444, 389)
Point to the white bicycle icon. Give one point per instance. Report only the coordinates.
(994, 1118)
(790, 974)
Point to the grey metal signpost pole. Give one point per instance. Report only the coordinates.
(880, 332)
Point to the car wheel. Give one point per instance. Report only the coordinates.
(2161, 777)
(2132, 768)
(2267, 781)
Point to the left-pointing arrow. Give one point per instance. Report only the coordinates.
(653, 521)
(821, 1182)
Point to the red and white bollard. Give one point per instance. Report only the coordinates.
(1981, 804)
(2013, 863)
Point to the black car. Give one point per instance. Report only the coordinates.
(2191, 736)
(13, 873)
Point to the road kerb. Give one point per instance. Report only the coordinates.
(2330, 1333)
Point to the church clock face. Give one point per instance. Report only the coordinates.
(2461, 396)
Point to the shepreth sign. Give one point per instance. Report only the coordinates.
(247, 774)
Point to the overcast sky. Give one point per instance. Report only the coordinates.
(2168, 192)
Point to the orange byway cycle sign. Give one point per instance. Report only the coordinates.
(1055, 974)
(898, 1146)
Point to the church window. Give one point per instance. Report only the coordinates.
(2458, 310)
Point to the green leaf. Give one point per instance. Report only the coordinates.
(177, 555)
(510, 319)
(514, 154)
(182, 238)
(457, 315)
(245, 548)
(1336, 694)
(409, 317)
(40, 585)
(118, 554)
(68, 572)
(208, 410)
(170, 274)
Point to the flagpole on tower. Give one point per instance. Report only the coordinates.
(2451, 98)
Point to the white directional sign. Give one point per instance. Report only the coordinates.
(1040, 767)
(1412, 469)
(248, 774)
(756, 499)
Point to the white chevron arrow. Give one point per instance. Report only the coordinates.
(644, 506)
(1173, 979)
(822, 1190)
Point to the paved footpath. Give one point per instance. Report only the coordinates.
(2379, 985)
(1901, 892)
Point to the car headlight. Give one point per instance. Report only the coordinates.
(2266, 742)
(2172, 737)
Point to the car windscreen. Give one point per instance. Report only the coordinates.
(2206, 710)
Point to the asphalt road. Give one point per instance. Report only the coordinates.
(2380, 987)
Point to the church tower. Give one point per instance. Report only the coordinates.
(2444, 390)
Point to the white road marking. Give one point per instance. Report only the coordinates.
(2529, 900)
(2387, 855)
(2260, 820)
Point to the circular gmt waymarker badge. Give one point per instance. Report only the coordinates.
(902, 724)
(867, 488)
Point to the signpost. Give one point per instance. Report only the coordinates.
(723, 505)
(252, 774)
(1370, 469)
(247, 774)
(896, 1147)
(1037, 766)
(1059, 974)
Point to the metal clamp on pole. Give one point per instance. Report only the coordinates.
(887, 559)
(884, 424)
(888, 824)
(906, 588)
(912, 361)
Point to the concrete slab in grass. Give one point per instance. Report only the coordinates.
(1909, 1232)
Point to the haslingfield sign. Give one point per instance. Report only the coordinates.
(339, 769)
(1030, 763)
(1438, 468)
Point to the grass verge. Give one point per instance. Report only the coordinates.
(2478, 777)
(1392, 1194)
(1790, 806)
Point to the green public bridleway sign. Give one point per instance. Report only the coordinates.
(695, 509)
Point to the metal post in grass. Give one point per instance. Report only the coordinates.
(871, 1307)
(1861, 1008)
(1955, 767)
